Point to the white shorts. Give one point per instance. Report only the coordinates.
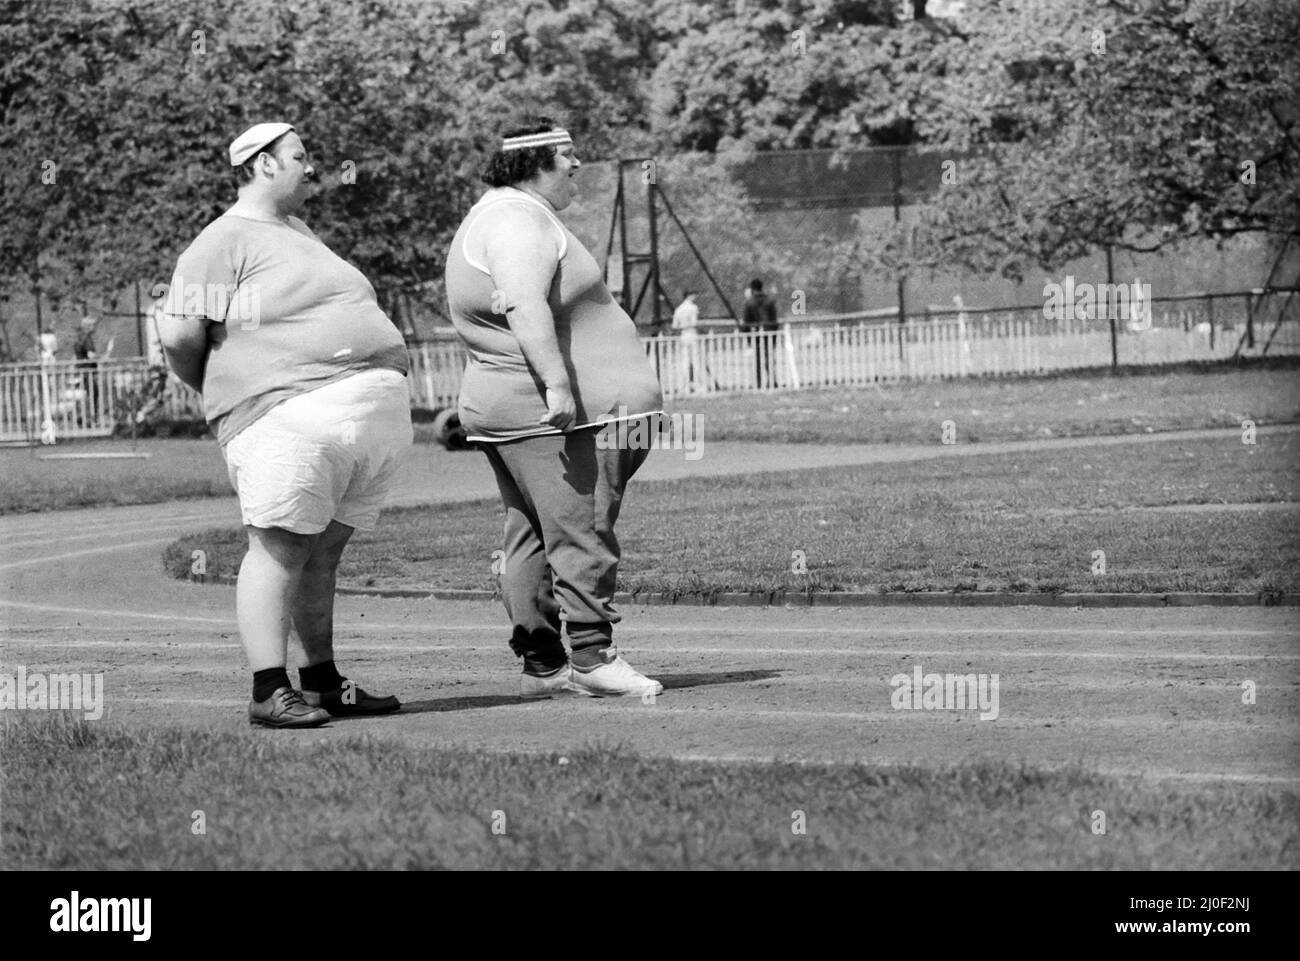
(329, 454)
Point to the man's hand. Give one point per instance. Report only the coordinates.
(561, 411)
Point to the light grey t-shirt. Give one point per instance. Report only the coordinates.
(289, 315)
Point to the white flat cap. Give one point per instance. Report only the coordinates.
(252, 140)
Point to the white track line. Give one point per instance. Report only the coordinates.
(866, 631)
(871, 678)
(13, 565)
(88, 535)
(444, 677)
(345, 630)
(188, 701)
(161, 524)
(907, 652)
(966, 653)
(972, 631)
(941, 717)
(92, 612)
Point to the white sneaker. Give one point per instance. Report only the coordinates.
(615, 679)
(556, 684)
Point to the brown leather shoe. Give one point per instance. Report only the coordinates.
(286, 708)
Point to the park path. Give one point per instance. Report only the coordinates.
(431, 475)
(1156, 692)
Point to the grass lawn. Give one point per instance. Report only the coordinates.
(1013, 409)
(93, 797)
(981, 410)
(996, 522)
(175, 469)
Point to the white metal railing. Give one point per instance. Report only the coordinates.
(76, 401)
(73, 399)
(436, 371)
(961, 345)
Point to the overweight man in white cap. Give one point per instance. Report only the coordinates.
(303, 381)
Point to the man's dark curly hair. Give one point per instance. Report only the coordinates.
(509, 167)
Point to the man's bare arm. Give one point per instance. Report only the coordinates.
(185, 343)
(522, 256)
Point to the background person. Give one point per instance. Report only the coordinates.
(303, 380)
(759, 318)
(686, 320)
(154, 354)
(87, 357)
(550, 350)
(48, 345)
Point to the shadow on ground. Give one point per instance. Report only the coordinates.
(674, 681)
(670, 682)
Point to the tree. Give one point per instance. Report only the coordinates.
(399, 102)
(1129, 126)
(52, 114)
(811, 73)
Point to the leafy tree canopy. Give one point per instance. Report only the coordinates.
(1069, 125)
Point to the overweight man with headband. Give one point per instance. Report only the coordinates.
(552, 357)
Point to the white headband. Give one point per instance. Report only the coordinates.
(545, 139)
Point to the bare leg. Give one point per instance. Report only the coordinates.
(268, 580)
(312, 605)
(312, 609)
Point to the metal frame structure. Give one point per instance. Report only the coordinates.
(649, 259)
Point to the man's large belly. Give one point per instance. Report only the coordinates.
(499, 402)
(611, 373)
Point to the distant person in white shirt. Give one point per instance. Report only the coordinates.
(153, 339)
(49, 346)
(686, 320)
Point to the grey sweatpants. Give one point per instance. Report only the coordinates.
(562, 495)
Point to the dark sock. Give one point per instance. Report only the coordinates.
(542, 648)
(267, 682)
(590, 643)
(544, 664)
(320, 677)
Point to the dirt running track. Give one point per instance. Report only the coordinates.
(1131, 691)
